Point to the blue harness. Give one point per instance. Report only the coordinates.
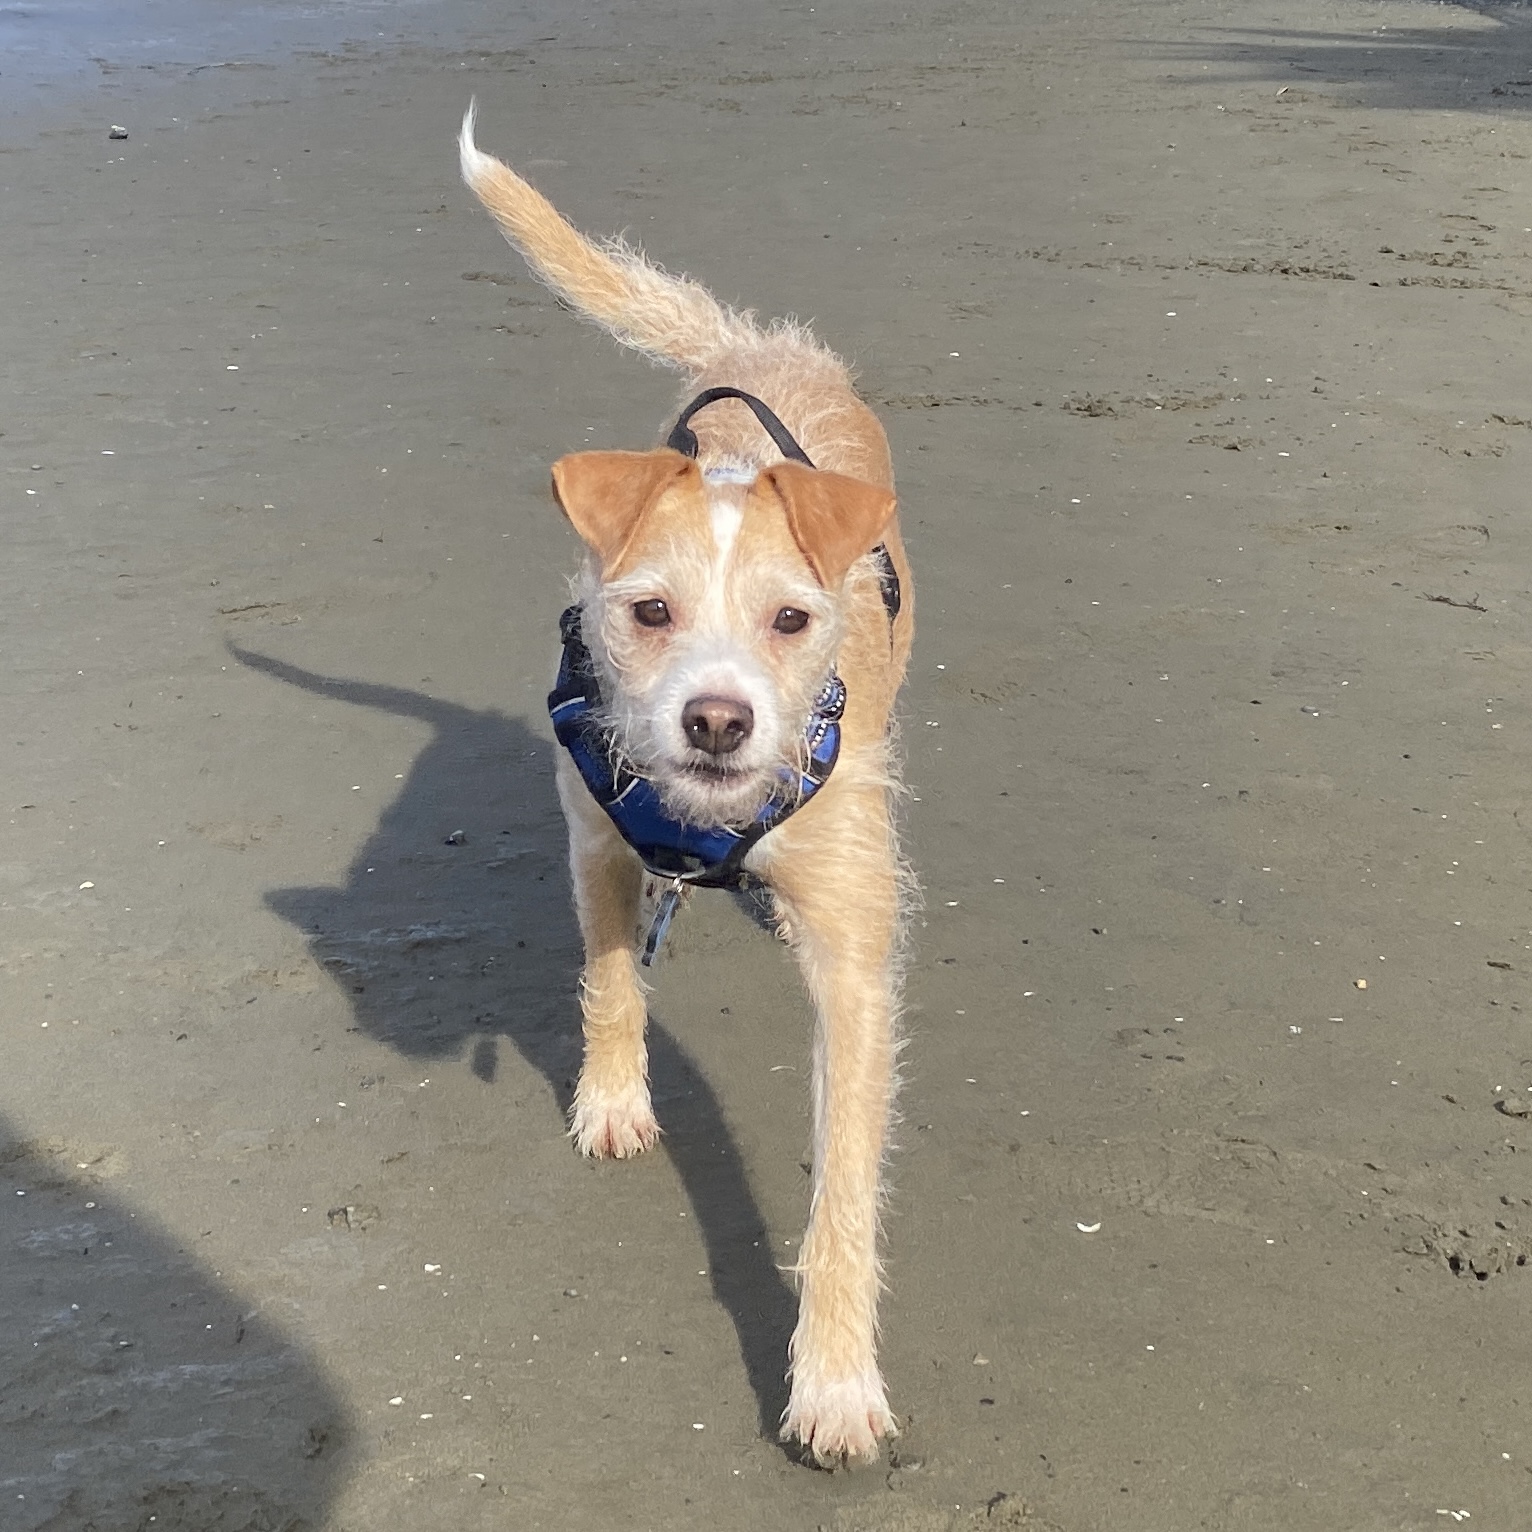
(691, 855)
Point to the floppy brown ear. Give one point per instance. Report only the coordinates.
(605, 495)
(833, 519)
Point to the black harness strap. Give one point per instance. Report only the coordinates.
(888, 581)
(683, 439)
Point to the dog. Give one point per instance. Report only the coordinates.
(742, 625)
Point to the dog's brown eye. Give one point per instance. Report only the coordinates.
(791, 620)
(651, 614)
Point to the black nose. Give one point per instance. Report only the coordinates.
(717, 724)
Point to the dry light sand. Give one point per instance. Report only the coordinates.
(1202, 335)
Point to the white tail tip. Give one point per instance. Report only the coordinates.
(473, 160)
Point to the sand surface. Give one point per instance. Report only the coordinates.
(1201, 332)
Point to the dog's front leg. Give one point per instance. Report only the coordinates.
(612, 1117)
(839, 895)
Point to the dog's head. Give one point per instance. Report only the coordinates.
(714, 608)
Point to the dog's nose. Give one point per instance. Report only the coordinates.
(717, 724)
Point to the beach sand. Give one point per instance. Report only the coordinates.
(1201, 335)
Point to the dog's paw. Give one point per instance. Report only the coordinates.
(839, 1424)
(613, 1126)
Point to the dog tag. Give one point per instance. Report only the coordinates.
(664, 912)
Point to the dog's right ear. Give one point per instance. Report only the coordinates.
(606, 495)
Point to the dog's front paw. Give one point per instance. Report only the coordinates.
(839, 1424)
(613, 1125)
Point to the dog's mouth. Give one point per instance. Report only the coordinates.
(717, 773)
(708, 791)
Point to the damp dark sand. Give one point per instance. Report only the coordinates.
(1201, 333)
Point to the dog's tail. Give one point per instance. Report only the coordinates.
(670, 319)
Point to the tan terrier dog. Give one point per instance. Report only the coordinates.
(743, 622)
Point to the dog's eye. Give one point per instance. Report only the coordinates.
(791, 619)
(651, 614)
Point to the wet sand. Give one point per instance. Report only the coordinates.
(1200, 332)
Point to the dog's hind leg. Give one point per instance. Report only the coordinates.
(840, 899)
(612, 1117)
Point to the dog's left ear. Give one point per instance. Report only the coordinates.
(834, 519)
(605, 495)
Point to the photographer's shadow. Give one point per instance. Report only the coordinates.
(139, 1390)
(454, 930)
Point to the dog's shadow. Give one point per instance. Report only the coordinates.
(454, 930)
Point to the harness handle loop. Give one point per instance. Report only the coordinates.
(683, 439)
